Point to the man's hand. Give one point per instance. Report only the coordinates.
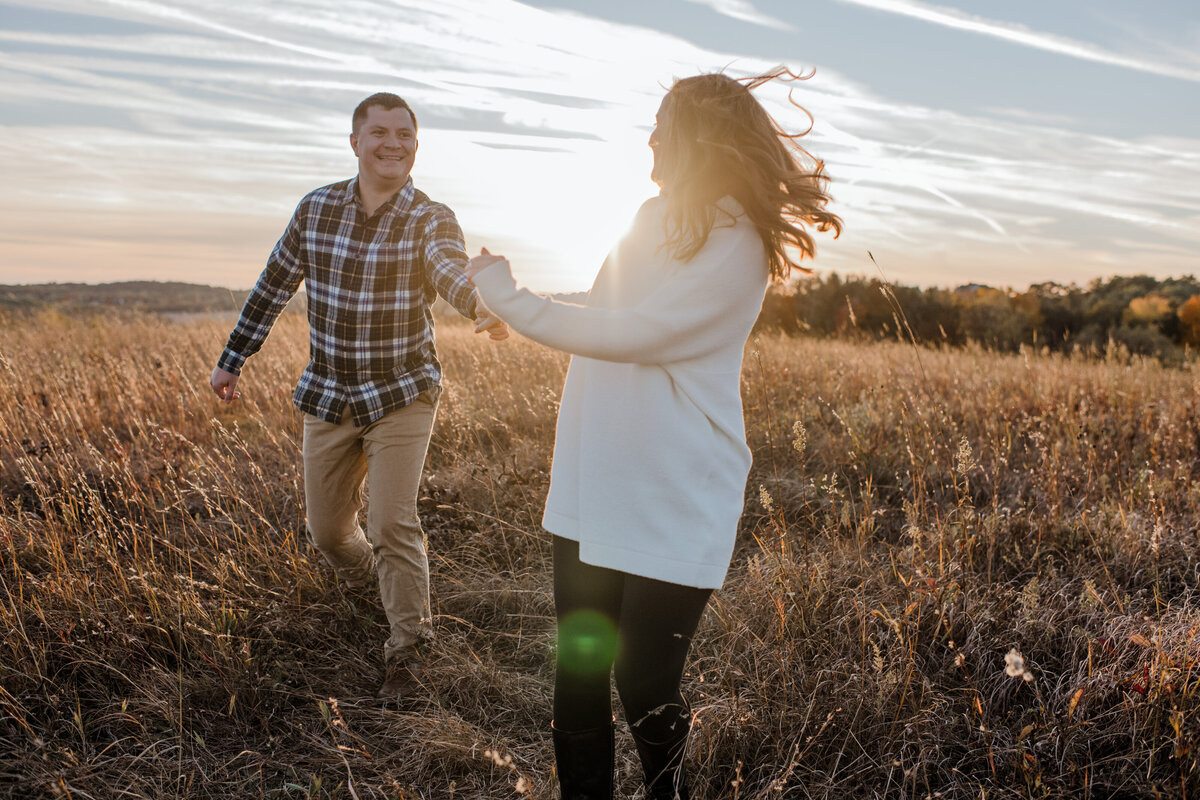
(485, 320)
(222, 382)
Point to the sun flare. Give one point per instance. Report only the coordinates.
(555, 210)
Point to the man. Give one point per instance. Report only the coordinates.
(373, 252)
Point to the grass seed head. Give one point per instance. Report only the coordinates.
(799, 436)
(964, 459)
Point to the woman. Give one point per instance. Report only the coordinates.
(650, 458)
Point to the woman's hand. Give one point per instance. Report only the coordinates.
(481, 262)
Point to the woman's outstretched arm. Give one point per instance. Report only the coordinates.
(683, 319)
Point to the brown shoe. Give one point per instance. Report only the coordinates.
(403, 674)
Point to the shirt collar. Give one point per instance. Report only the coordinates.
(400, 201)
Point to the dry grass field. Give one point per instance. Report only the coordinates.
(959, 575)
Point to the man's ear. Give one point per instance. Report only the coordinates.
(354, 143)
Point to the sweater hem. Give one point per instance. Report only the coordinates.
(561, 525)
(646, 565)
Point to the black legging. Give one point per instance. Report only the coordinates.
(641, 626)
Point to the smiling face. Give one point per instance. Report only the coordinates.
(386, 145)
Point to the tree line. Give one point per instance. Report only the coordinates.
(1137, 314)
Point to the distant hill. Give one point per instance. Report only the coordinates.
(143, 296)
(159, 297)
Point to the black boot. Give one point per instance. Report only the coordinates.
(585, 763)
(661, 740)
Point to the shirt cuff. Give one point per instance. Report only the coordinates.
(231, 361)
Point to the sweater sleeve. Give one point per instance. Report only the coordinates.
(687, 317)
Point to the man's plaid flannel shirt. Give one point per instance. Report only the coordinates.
(370, 283)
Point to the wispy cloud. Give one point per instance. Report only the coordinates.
(190, 118)
(553, 106)
(1020, 34)
(744, 11)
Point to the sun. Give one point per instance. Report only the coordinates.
(554, 208)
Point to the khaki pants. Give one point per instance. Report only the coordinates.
(390, 454)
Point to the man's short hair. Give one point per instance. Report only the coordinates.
(385, 100)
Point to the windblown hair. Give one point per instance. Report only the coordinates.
(385, 100)
(719, 140)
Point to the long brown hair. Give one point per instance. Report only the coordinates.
(719, 140)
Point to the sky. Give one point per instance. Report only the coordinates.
(999, 143)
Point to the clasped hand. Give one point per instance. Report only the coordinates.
(485, 320)
(481, 262)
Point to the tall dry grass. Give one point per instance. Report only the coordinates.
(958, 575)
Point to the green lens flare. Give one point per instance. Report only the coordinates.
(587, 642)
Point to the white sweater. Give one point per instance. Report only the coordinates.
(650, 455)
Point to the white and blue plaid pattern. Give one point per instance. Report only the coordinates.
(370, 283)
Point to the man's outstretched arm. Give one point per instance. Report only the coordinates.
(275, 287)
(446, 256)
